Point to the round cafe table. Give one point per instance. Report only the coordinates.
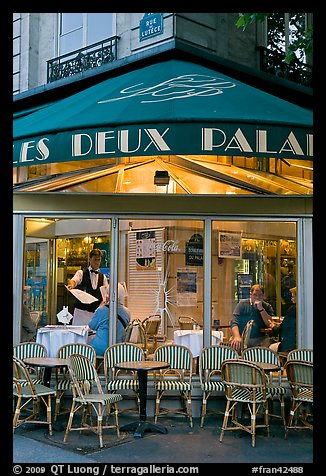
(48, 363)
(143, 367)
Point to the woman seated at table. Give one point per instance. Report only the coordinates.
(288, 328)
(100, 323)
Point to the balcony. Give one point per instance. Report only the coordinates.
(77, 61)
(296, 71)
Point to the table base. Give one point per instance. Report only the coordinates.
(143, 426)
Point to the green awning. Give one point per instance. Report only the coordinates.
(168, 108)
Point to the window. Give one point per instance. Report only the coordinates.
(77, 30)
(283, 29)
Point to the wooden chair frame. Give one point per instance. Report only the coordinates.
(245, 383)
(178, 377)
(63, 380)
(26, 392)
(210, 362)
(84, 377)
(300, 378)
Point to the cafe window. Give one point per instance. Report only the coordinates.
(161, 264)
(250, 252)
(283, 29)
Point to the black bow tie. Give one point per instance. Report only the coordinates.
(93, 271)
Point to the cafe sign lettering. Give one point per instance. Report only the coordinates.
(150, 25)
(173, 139)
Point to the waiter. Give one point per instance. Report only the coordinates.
(89, 280)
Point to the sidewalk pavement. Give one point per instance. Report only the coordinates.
(182, 444)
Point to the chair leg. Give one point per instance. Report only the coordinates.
(253, 424)
(69, 424)
(48, 414)
(225, 419)
(116, 418)
(17, 413)
(189, 409)
(159, 394)
(203, 409)
(100, 424)
(58, 396)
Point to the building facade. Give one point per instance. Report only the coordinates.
(167, 141)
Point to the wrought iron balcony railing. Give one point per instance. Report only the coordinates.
(83, 59)
(296, 71)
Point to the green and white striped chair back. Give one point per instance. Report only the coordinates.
(117, 379)
(261, 354)
(306, 355)
(178, 356)
(122, 352)
(29, 349)
(212, 357)
(26, 350)
(210, 362)
(65, 351)
(300, 377)
(243, 380)
(83, 374)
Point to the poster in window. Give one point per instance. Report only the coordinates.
(244, 283)
(186, 287)
(229, 245)
(145, 250)
(194, 250)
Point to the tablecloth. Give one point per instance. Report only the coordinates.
(53, 337)
(193, 339)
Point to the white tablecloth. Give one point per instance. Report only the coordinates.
(54, 337)
(193, 339)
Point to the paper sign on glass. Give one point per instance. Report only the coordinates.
(82, 296)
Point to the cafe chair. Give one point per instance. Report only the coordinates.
(274, 383)
(35, 316)
(245, 336)
(300, 378)
(31, 349)
(151, 326)
(135, 334)
(177, 378)
(244, 383)
(63, 381)
(84, 378)
(301, 354)
(187, 322)
(210, 362)
(26, 393)
(118, 379)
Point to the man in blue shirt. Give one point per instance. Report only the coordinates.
(256, 309)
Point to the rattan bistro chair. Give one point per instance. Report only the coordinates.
(151, 326)
(301, 354)
(63, 380)
(274, 385)
(135, 334)
(25, 393)
(177, 378)
(84, 377)
(210, 362)
(187, 322)
(118, 379)
(244, 383)
(31, 349)
(300, 378)
(245, 336)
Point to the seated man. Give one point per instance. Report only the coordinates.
(256, 309)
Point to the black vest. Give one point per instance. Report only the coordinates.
(86, 286)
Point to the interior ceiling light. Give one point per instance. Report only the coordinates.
(161, 177)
